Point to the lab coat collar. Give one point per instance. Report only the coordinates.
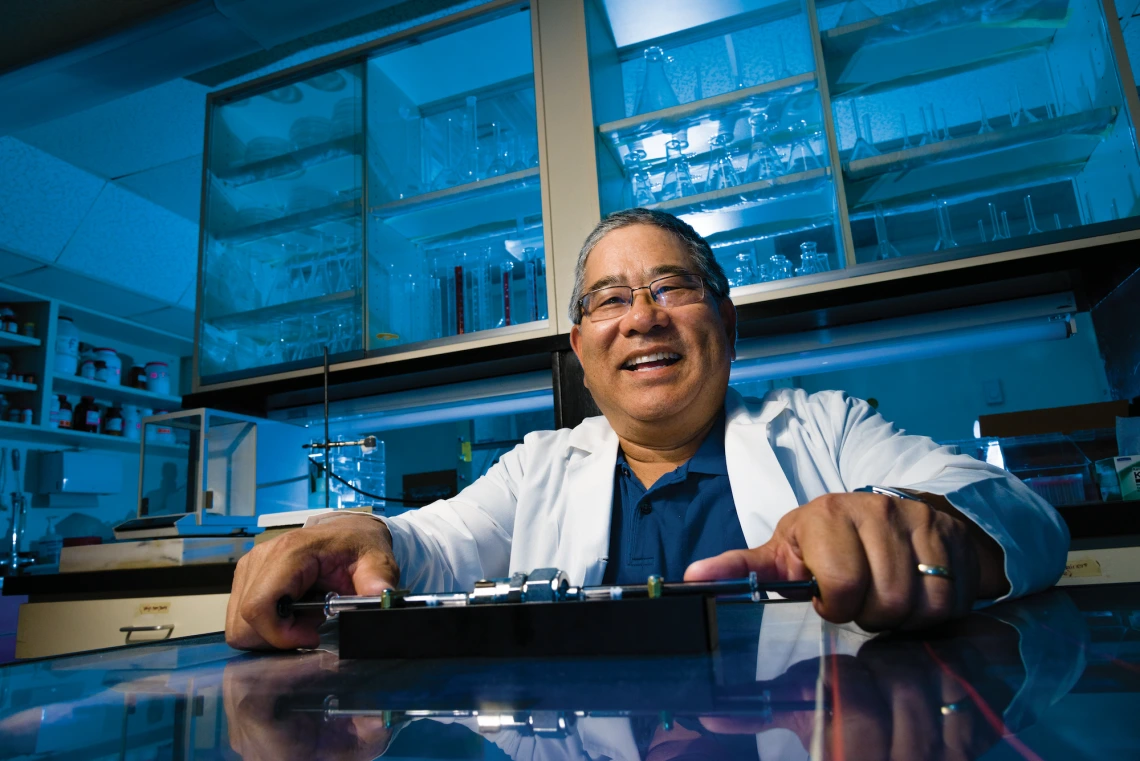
(760, 489)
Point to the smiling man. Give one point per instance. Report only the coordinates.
(683, 477)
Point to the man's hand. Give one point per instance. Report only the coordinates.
(864, 551)
(349, 555)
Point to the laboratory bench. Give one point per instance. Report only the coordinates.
(1054, 675)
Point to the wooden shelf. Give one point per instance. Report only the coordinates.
(923, 42)
(38, 434)
(438, 198)
(80, 386)
(16, 341)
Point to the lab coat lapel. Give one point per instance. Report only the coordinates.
(760, 489)
(585, 539)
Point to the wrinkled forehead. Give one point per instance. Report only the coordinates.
(634, 255)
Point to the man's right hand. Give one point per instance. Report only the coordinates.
(347, 555)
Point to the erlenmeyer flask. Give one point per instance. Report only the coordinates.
(722, 173)
(802, 157)
(638, 186)
(518, 155)
(498, 165)
(678, 180)
(656, 92)
(984, 125)
(945, 232)
(853, 12)
(764, 162)
(1030, 216)
(886, 249)
(864, 148)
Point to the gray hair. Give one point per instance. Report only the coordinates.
(700, 254)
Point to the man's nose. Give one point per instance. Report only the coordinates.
(645, 313)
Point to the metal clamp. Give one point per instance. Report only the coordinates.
(168, 628)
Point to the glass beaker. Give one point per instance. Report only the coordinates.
(779, 267)
(722, 173)
(678, 180)
(764, 162)
(656, 92)
(638, 186)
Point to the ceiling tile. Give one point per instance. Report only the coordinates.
(137, 244)
(81, 289)
(176, 186)
(14, 264)
(42, 199)
(141, 131)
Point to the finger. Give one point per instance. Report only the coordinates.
(239, 633)
(735, 564)
(295, 568)
(832, 549)
(895, 587)
(374, 572)
(938, 598)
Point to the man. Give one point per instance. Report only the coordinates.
(683, 477)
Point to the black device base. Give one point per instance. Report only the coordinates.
(665, 626)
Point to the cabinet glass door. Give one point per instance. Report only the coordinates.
(712, 111)
(455, 229)
(966, 128)
(281, 270)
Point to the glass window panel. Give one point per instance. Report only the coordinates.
(281, 269)
(965, 129)
(455, 237)
(713, 113)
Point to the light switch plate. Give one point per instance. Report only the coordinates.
(992, 391)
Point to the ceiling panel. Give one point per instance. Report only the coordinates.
(136, 244)
(14, 264)
(171, 319)
(63, 284)
(42, 200)
(176, 186)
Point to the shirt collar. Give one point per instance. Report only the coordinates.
(710, 457)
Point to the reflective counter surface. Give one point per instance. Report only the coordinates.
(1056, 675)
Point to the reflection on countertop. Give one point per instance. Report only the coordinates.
(783, 685)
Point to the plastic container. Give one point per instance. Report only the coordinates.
(157, 377)
(88, 416)
(53, 417)
(87, 369)
(14, 414)
(66, 347)
(26, 416)
(65, 412)
(114, 366)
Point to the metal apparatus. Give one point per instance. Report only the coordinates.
(546, 585)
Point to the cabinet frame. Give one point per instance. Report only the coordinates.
(570, 189)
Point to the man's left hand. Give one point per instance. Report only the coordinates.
(864, 551)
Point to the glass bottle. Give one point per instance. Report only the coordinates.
(743, 270)
(811, 261)
(678, 180)
(779, 267)
(764, 162)
(722, 172)
(472, 269)
(638, 186)
(113, 422)
(536, 276)
(87, 416)
(656, 92)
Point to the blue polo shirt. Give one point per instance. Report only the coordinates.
(688, 515)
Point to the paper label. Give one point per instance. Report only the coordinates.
(1082, 568)
(153, 608)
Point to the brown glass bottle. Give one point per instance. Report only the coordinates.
(87, 416)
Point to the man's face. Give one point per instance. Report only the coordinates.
(687, 387)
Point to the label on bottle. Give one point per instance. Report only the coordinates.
(65, 418)
(459, 301)
(114, 425)
(92, 418)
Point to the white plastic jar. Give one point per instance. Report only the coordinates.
(114, 365)
(157, 378)
(66, 347)
(132, 422)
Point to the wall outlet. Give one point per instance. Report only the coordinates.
(991, 390)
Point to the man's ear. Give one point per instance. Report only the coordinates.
(728, 317)
(576, 345)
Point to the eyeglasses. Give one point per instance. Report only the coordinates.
(616, 300)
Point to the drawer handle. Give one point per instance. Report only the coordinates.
(168, 628)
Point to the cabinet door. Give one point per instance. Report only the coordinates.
(970, 128)
(281, 267)
(716, 115)
(455, 222)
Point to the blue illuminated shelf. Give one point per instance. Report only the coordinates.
(264, 316)
(928, 40)
(79, 386)
(11, 385)
(290, 223)
(16, 341)
(288, 163)
(486, 188)
(750, 193)
(1046, 149)
(44, 435)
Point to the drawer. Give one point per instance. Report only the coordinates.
(53, 628)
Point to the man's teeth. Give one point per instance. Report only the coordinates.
(659, 356)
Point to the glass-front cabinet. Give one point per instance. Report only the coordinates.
(804, 137)
(384, 199)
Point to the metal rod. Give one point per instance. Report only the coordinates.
(328, 449)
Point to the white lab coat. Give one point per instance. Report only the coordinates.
(547, 502)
